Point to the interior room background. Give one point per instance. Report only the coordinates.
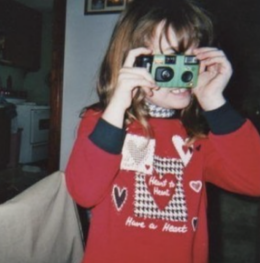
(34, 83)
(86, 38)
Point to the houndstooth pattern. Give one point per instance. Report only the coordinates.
(170, 166)
(159, 112)
(146, 207)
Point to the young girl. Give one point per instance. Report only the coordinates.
(142, 158)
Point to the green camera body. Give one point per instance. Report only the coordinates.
(171, 71)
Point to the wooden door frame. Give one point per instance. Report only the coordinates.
(58, 37)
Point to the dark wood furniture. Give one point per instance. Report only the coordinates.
(20, 29)
(56, 84)
(5, 125)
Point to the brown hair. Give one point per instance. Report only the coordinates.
(135, 28)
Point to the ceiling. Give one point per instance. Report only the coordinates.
(40, 5)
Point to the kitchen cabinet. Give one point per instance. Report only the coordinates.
(20, 34)
(5, 126)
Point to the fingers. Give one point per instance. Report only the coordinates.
(215, 72)
(132, 77)
(213, 59)
(201, 50)
(136, 73)
(129, 80)
(133, 54)
(137, 77)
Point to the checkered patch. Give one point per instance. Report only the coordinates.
(168, 165)
(145, 205)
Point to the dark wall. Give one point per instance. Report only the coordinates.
(234, 238)
(237, 26)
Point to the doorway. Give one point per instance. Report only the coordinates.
(56, 84)
(15, 180)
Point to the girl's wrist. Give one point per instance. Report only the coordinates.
(114, 114)
(209, 104)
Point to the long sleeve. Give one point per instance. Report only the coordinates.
(91, 169)
(232, 157)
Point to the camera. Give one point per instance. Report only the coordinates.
(171, 71)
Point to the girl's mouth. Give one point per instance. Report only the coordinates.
(179, 91)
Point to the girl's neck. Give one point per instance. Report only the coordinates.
(159, 112)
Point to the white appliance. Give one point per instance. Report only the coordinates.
(34, 121)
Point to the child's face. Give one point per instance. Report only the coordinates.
(175, 98)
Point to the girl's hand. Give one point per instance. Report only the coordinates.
(215, 73)
(129, 79)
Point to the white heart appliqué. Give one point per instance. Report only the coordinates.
(196, 186)
(179, 145)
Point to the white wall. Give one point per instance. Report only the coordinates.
(86, 40)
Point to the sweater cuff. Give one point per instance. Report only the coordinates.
(224, 119)
(108, 137)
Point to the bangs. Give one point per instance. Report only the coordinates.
(191, 26)
(189, 32)
(186, 36)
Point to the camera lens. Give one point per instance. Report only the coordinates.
(164, 74)
(187, 76)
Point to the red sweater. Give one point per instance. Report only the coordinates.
(149, 201)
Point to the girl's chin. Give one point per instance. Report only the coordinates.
(179, 98)
(180, 105)
(174, 98)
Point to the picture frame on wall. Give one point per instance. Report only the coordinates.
(105, 6)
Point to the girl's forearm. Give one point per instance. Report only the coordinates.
(114, 114)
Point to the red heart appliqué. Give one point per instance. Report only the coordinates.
(162, 188)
